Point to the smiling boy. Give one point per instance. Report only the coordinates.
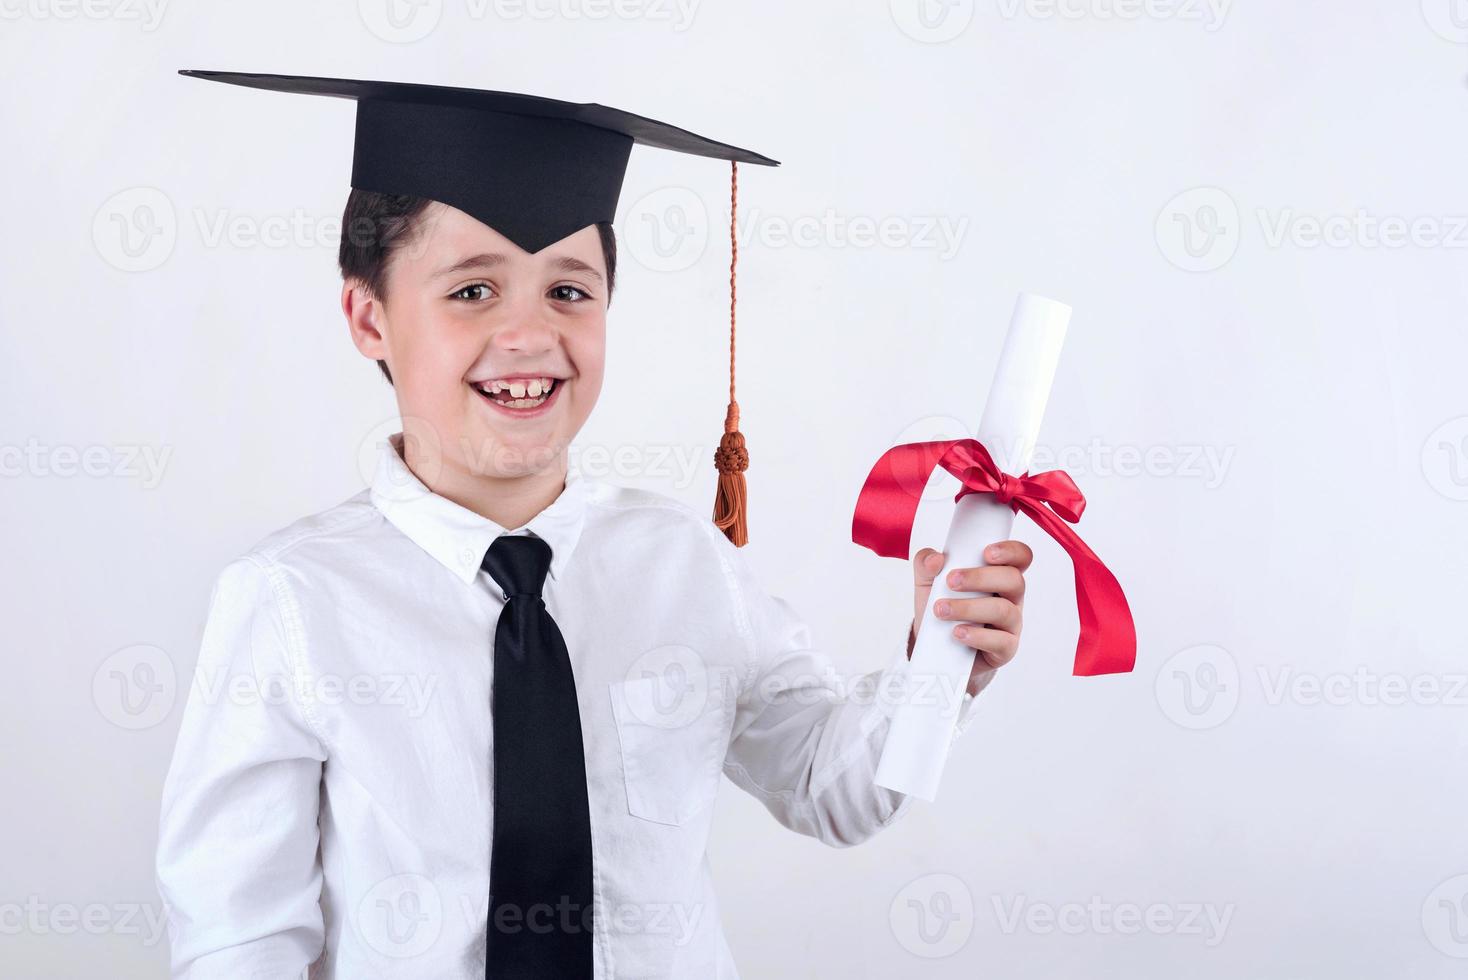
(597, 656)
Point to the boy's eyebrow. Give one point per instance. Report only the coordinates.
(567, 263)
(487, 260)
(484, 260)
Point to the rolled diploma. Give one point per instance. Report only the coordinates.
(923, 718)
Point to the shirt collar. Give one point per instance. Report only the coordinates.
(457, 536)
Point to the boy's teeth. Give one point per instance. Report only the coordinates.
(519, 393)
(520, 387)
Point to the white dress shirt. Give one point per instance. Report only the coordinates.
(329, 804)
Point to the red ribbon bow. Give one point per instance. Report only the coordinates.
(888, 503)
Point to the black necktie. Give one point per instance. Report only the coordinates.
(540, 858)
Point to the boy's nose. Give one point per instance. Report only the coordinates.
(528, 333)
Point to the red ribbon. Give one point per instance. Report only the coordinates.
(888, 503)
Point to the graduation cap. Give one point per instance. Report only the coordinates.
(533, 169)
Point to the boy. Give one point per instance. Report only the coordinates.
(471, 721)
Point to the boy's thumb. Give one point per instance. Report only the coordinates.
(926, 565)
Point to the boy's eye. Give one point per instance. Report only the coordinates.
(472, 293)
(569, 294)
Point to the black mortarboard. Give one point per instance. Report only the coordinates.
(533, 169)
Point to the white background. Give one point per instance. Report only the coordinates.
(1288, 594)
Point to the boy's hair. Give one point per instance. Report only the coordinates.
(374, 225)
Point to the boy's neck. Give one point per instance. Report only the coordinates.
(509, 501)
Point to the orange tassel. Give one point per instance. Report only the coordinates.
(731, 459)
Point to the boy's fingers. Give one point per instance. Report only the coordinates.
(988, 610)
(1013, 553)
(997, 647)
(926, 565)
(1004, 580)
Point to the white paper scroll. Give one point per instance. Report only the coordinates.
(922, 722)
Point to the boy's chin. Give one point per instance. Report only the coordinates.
(494, 453)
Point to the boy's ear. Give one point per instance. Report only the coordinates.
(365, 319)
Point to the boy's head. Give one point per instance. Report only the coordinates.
(506, 275)
(464, 323)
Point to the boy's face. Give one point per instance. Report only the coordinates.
(471, 326)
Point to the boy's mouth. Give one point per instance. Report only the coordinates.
(518, 394)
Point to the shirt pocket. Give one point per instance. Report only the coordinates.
(673, 739)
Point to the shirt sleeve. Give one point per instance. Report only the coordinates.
(237, 863)
(805, 741)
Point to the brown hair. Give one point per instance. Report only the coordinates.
(374, 225)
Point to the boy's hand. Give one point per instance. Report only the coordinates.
(990, 624)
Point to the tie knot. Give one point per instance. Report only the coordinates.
(518, 564)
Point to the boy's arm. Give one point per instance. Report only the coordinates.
(237, 845)
(806, 741)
